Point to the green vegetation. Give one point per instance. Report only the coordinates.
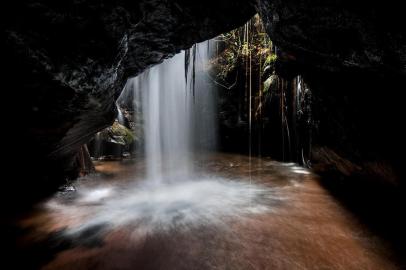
(246, 49)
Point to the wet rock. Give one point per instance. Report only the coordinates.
(118, 134)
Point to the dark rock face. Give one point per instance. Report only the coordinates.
(334, 35)
(353, 56)
(68, 61)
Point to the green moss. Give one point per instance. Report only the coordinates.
(118, 134)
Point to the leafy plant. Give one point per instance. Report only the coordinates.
(237, 47)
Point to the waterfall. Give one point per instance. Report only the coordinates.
(176, 115)
(120, 116)
(174, 110)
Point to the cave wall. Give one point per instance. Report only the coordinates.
(67, 61)
(337, 35)
(353, 57)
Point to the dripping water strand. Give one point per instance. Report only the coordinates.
(250, 96)
(194, 72)
(248, 79)
(190, 54)
(284, 106)
(281, 100)
(187, 62)
(259, 117)
(286, 123)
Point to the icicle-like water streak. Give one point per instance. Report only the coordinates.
(178, 113)
(120, 116)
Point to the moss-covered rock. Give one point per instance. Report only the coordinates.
(118, 134)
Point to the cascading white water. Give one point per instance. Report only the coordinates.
(120, 116)
(178, 113)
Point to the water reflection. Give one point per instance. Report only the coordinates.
(283, 220)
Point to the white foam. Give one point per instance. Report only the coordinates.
(205, 201)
